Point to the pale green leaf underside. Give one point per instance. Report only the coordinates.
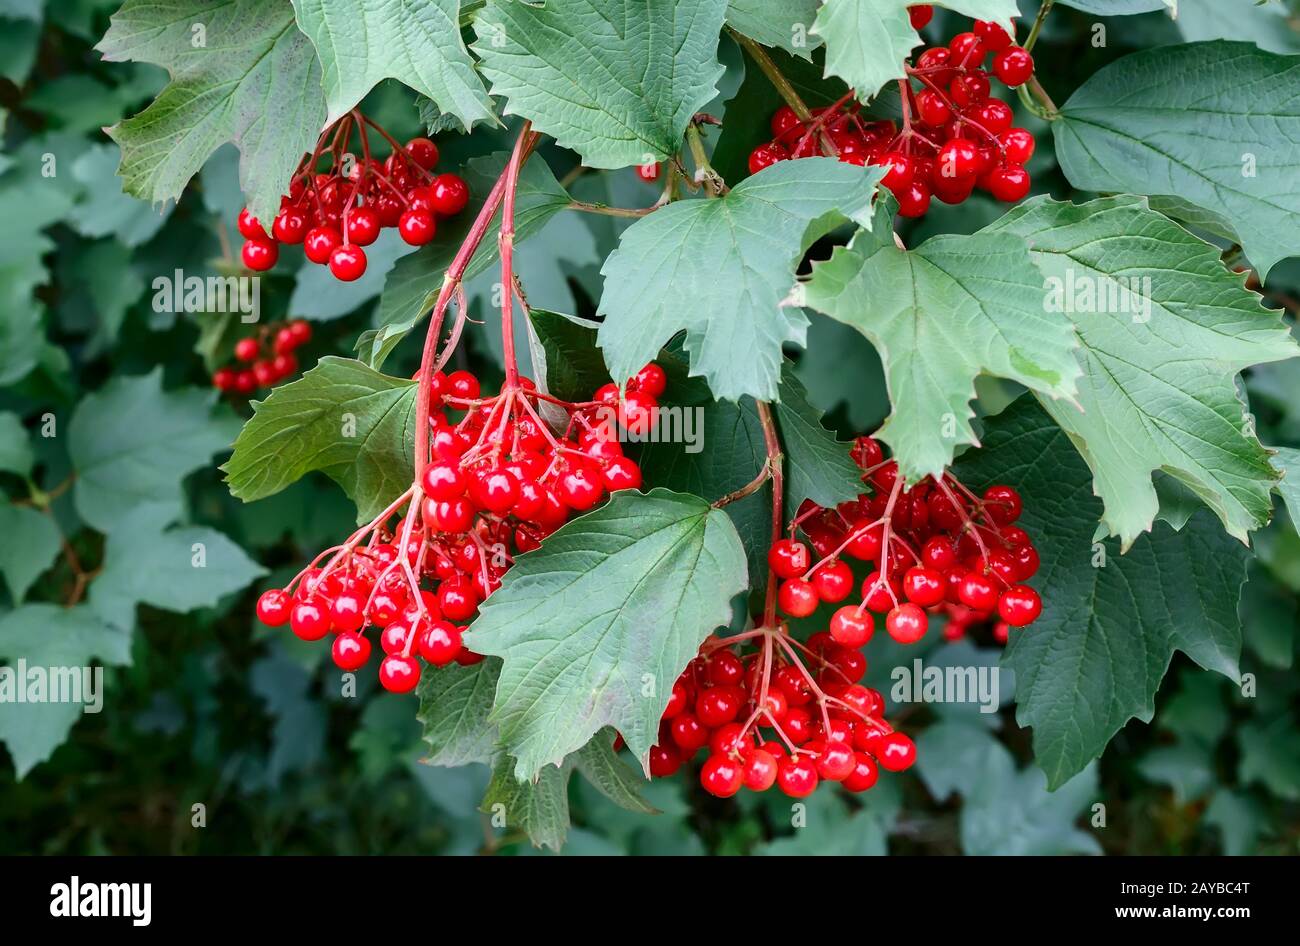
(31, 541)
(786, 24)
(617, 81)
(720, 270)
(131, 443)
(49, 636)
(342, 418)
(1164, 327)
(249, 77)
(953, 308)
(1110, 623)
(454, 706)
(615, 598)
(868, 40)
(1224, 137)
(1287, 461)
(417, 42)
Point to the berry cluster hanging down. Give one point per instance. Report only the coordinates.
(936, 548)
(264, 358)
(499, 481)
(335, 212)
(955, 135)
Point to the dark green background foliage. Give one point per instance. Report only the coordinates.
(205, 706)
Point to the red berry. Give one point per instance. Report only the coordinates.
(920, 15)
(851, 626)
(249, 226)
(797, 598)
(923, 586)
(688, 733)
(864, 774)
(933, 108)
(247, 349)
(347, 262)
(450, 194)
(719, 705)
(664, 761)
(906, 623)
(895, 752)
(440, 644)
(650, 380)
(836, 761)
(967, 50)
(260, 254)
(978, 591)
(1008, 183)
(788, 558)
(399, 674)
(676, 701)
(915, 201)
(423, 152)
(273, 607)
(320, 243)
(797, 777)
(309, 621)
(971, 89)
(784, 120)
(362, 226)
(350, 651)
(1020, 605)
(290, 225)
(1019, 144)
(648, 172)
(833, 581)
(1013, 66)
(722, 776)
(416, 227)
(958, 158)
(726, 669)
(765, 156)
(993, 35)
(444, 481)
(760, 770)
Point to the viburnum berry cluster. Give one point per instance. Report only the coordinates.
(936, 548)
(955, 136)
(264, 358)
(499, 481)
(788, 714)
(335, 212)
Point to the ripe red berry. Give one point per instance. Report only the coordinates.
(967, 50)
(978, 591)
(836, 761)
(864, 773)
(320, 243)
(760, 770)
(933, 108)
(719, 705)
(784, 120)
(915, 201)
(416, 227)
(1019, 144)
(788, 558)
(920, 15)
(923, 586)
(993, 35)
(1008, 183)
(650, 380)
(722, 776)
(797, 598)
(423, 152)
(347, 262)
(440, 644)
(765, 156)
(648, 172)
(1020, 605)
(362, 226)
(797, 777)
(833, 581)
(1013, 66)
(688, 733)
(664, 761)
(350, 651)
(260, 253)
(970, 89)
(906, 623)
(249, 227)
(958, 159)
(247, 349)
(273, 607)
(309, 620)
(450, 194)
(399, 674)
(290, 225)
(851, 626)
(895, 752)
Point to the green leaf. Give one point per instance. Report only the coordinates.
(1196, 713)
(362, 43)
(1270, 615)
(1186, 768)
(1240, 819)
(571, 367)
(1225, 138)
(131, 443)
(1164, 327)
(785, 24)
(867, 40)
(595, 626)
(1110, 623)
(830, 830)
(720, 269)
(617, 81)
(841, 369)
(953, 308)
(415, 280)
(105, 209)
(454, 706)
(1121, 7)
(1270, 756)
(341, 417)
(241, 71)
(298, 733)
(15, 446)
(177, 569)
(1286, 460)
(31, 542)
(1262, 22)
(540, 807)
(48, 637)
(1010, 812)
(818, 466)
(949, 753)
(317, 295)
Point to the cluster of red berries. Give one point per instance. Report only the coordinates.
(334, 214)
(267, 357)
(766, 719)
(955, 136)
(936, 547)
(497, 483)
